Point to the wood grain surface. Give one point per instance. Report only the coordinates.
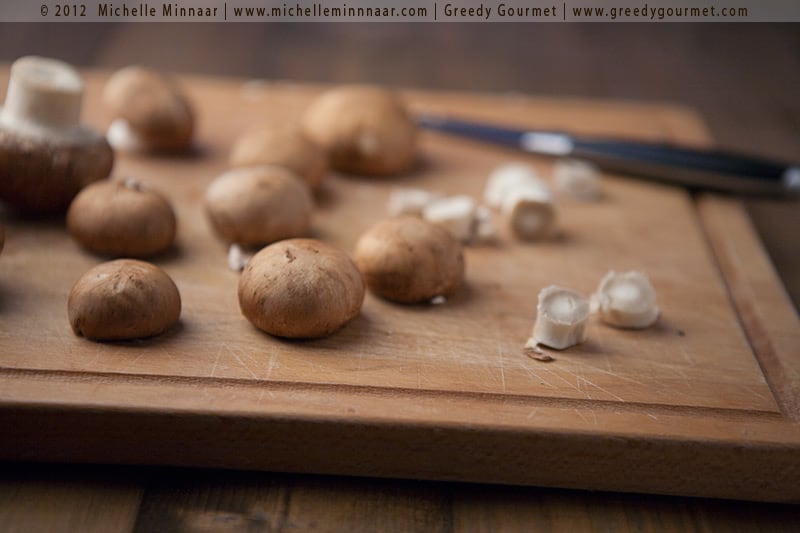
(47, 498)
(440, 392)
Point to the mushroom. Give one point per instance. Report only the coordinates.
(530, 212)
(300, 288)
(46, 155)
(456, 214)
(259, 205)
(281, 145)
(508, 177)
(561, 316)
(2, 238)
(577, 178)
(409, 201)
(364, 129)
(150, 110)
(408, 260)
(121, 218)
(123, 299)
(468, 222)
(627, 300)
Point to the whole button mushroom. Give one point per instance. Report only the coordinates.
(300, 288)
(284, 146)
(151, 111)
(410, 260)
(365, 130)
(123, 299)
(46, 155)
(121, 218)
(259, 205)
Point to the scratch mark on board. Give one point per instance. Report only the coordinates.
(271, 364)
(620, 376)
(598, 387)
(582, 416)
(530, 372)
(556, 374)
(216, 362)
(235, 356)
(502, 367)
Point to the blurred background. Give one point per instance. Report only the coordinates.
(742, 78)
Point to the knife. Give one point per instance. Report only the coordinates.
(690, 167)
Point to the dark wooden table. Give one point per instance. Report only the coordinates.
(740, 77)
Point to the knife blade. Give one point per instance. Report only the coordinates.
(677, 165)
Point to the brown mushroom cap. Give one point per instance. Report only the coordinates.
(409, 260)
(300, 288)
(122, 219)
(123, 299)
(365, 130)
(46, 174)
(284, 146)
(259, 205)
(153, 107)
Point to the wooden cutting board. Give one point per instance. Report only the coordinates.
(703, 403)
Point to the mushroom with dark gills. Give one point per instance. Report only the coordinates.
(46, 155)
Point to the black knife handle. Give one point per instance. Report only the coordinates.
(694, 168)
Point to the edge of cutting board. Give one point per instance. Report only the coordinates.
(360, 430)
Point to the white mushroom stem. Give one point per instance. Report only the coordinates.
(132, 184)
(237, 258)
(507, 178)
(627, 300)
(483, 226)
(121, 137)
(43, 92)
(530, 211)
(561, 318)
(410, 201)
(579, 179)
(455, 213)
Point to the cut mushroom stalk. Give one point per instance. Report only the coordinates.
(561, 318)
(456, 214)
(483, 227)
(530, 212)
(627, 300)
(466, 221)
(507, 178)
(579, 179)
(237, 258)
(410, 201)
